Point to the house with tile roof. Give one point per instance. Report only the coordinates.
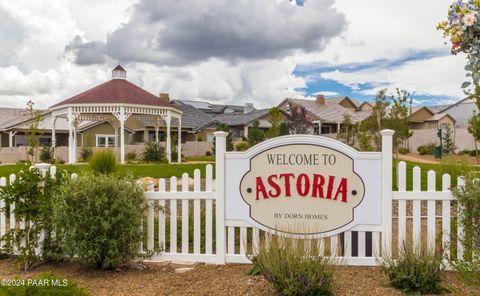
(424, 117)
(238, 118)
(328, 113)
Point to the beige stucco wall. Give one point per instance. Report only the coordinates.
(463, 140)
(420, 116)
(101, 129)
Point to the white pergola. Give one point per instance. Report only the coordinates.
(116, 115)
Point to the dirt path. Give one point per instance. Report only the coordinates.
(419, 159)
(228, 280)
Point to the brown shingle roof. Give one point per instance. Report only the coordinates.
(116, 91)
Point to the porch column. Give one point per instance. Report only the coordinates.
(338, 127)
(54, 139)
(74, 148)
(122, 135)
(168, 143)
(245, 131)
(179, 141)
(70, 135)
(10, 138)
(145, 135)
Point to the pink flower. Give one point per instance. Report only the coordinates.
(469, 19)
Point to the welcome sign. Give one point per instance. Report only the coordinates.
(302, 185)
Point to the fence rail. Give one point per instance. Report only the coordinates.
(184, 220)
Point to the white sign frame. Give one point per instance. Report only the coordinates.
(368, 165)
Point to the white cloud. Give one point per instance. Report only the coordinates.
(438, 76)
(325, 93)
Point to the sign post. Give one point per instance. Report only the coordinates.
(220, 149)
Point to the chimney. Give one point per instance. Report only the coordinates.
(320, 99)
(248, 108)
(164, 97)
(119, 73)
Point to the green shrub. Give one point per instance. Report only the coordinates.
(32, 194)
(31, 287)
(131, 156)
(428, 149)
(101, 217)
(153, 152)
(474, 152)
(103, 162)
(414, 272)
(86, 153)
(468, 197)
(403, 150)
(46, 154)
(294, 269)
(242, 146)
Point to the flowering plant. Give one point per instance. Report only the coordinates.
(462, 27)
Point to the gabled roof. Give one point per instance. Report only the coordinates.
(415, 109)
(231, 115)
(192, 117)
(234, 119)
(116, 91)
(12, 116)
(467, 100)
(439, 116)
(331, 111)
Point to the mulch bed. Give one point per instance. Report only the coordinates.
(229, 280)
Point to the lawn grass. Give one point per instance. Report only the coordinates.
(164, 170)
(454, 170)
(136, 170)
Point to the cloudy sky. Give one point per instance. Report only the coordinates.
(227, 51)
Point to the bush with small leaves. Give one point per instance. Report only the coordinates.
(100, 217)
(294, 267)
(242, 146)
(154, 152)
(414, 272)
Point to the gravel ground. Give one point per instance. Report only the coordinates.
(229, 280)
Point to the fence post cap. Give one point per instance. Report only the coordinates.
(220, 134)
(387, 132)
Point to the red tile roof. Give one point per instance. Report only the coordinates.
(116, 91)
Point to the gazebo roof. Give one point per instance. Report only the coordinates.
(116, 91)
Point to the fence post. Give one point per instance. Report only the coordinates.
(220, 150)
(387, 148)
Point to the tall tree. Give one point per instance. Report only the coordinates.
(376, 121)
(255, 134)
(448, 143)
(397, 119)
(348, 130)
(224, 128)
(297, 120)
(32, 132)
(474, 130)
(275, 118)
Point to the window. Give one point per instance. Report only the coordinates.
(432, 125)
(105, 140)
(326, 129)
(210, 137)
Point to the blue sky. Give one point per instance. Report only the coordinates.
(227, 51)
(318, 84)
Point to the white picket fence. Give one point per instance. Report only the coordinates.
(8, 222)
(183, 219)
(429, 215)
